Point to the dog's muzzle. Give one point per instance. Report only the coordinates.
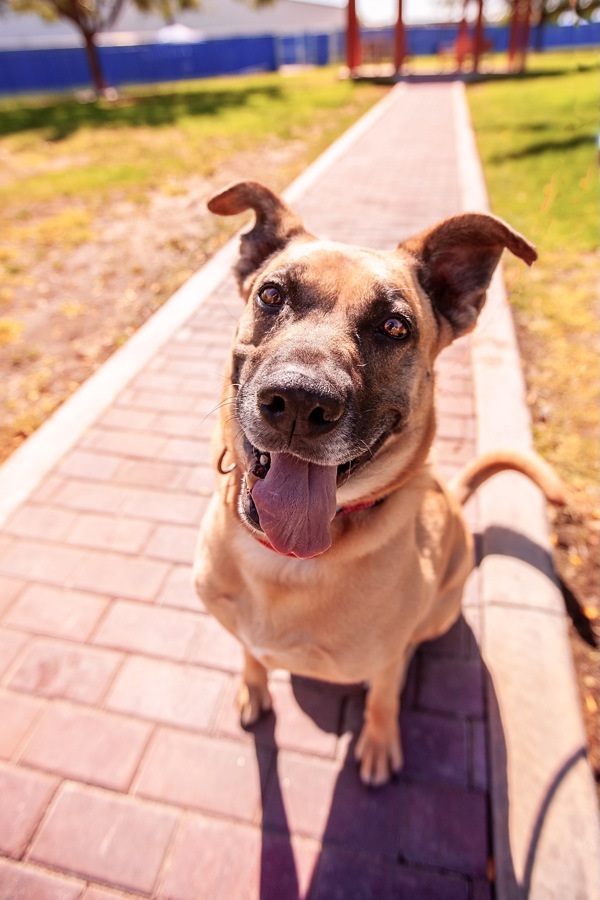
(300, 446)
(298, 408)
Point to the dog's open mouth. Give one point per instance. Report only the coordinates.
(293, 501)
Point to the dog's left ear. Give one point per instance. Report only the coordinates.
(276, 224)
(456, 262)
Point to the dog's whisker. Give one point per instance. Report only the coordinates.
(217, 371)
(231, 418)
(225, 309)
(227, 401)
(221, 405)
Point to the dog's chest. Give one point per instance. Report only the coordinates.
(339, 617)
(305, 657)
(300, 617)
(286, 632)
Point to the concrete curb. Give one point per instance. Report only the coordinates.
(31, 462)
(544, 816)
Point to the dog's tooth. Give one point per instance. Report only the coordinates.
(258, 471)
(264, 459)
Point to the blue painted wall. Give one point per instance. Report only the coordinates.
(60, 69)
(64, 68)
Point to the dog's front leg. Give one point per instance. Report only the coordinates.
(378, 749)
(253, 696)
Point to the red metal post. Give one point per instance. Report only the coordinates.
(462, 39)
(514, 32)
(462, 43)
(399, 40)
(478, 47)
(353, 56)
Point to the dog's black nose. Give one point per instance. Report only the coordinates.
(299, 409)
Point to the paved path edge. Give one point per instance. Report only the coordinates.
(546, 835)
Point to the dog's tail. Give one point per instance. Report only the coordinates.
(475, 473)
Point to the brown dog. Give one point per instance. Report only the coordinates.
(330, 548)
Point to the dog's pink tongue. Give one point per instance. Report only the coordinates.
(296, 503)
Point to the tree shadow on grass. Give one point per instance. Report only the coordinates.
(475, 78)
(529, 75)
(559, 145)
(60, 118)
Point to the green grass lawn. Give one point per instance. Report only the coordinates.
(65, 148)
(64, 160)
(537, 135)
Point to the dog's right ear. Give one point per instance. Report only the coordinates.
(276, 224)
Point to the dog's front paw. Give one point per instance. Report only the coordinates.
(379, 755)
(253, 700)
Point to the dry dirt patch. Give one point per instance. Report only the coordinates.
(75, 306)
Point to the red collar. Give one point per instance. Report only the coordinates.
(340, 511)
(356, 507)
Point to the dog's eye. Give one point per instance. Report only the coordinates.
(270, 296)
(396, 328)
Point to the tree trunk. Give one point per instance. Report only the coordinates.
(100, 85)
(399, 40)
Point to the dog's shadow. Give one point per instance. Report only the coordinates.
(324, 835)
(428, 833)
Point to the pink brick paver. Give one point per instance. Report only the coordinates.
(25, 797)
(105, 836)
(29, 883)
(18, 712)
(123, 768)
(51, 668)
(87, 745)
(233, 790)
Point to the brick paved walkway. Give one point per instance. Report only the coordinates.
(124, 768)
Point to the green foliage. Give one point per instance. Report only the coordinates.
(89, 17)
(550, 10)
(537, 135)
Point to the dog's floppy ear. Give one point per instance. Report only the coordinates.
(457, 259)
(276, 224)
